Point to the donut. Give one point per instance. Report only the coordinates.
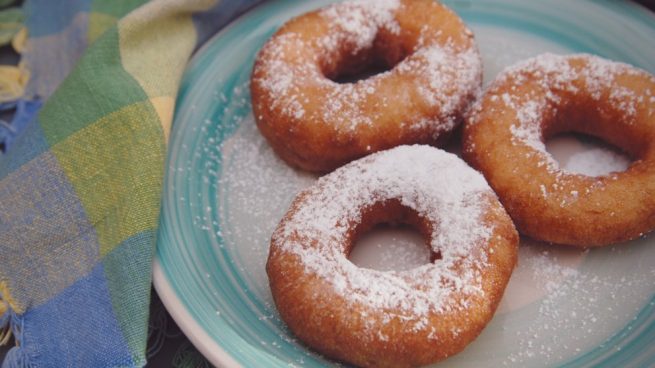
(374, 318)
(535, 99)
(317, 124)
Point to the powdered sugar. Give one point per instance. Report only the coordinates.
(357, 22)
(451, 200)
(553, 83)
(451, 77)
(528, 130)
(578, 304)
(280, 76)
(444, 81)
(443, 77)
(596, 162)
(558, 75)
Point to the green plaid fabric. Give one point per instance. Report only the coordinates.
(80, 187)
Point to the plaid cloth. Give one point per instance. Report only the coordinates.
(80, 187)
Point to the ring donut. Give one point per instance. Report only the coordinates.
(538, 98)
(317, 124)
(374, 318)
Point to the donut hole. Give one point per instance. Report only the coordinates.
(585, 154)
(391, 237)
(350, 64)
(388, 247)
(585, 140)
(362, 72)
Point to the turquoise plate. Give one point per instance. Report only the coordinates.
(225, 191)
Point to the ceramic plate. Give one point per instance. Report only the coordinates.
(225, 191)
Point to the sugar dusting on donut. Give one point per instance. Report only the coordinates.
(279, 78)
(449, 73)
(439, 66)
(407, 173)
(550, 94)
(357, 22)
(555, 73)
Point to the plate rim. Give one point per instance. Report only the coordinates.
(185, 321)
(197, 334)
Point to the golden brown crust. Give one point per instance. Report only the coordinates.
(504, 137)
(330, 315)
(333, 326)
(316, 124)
